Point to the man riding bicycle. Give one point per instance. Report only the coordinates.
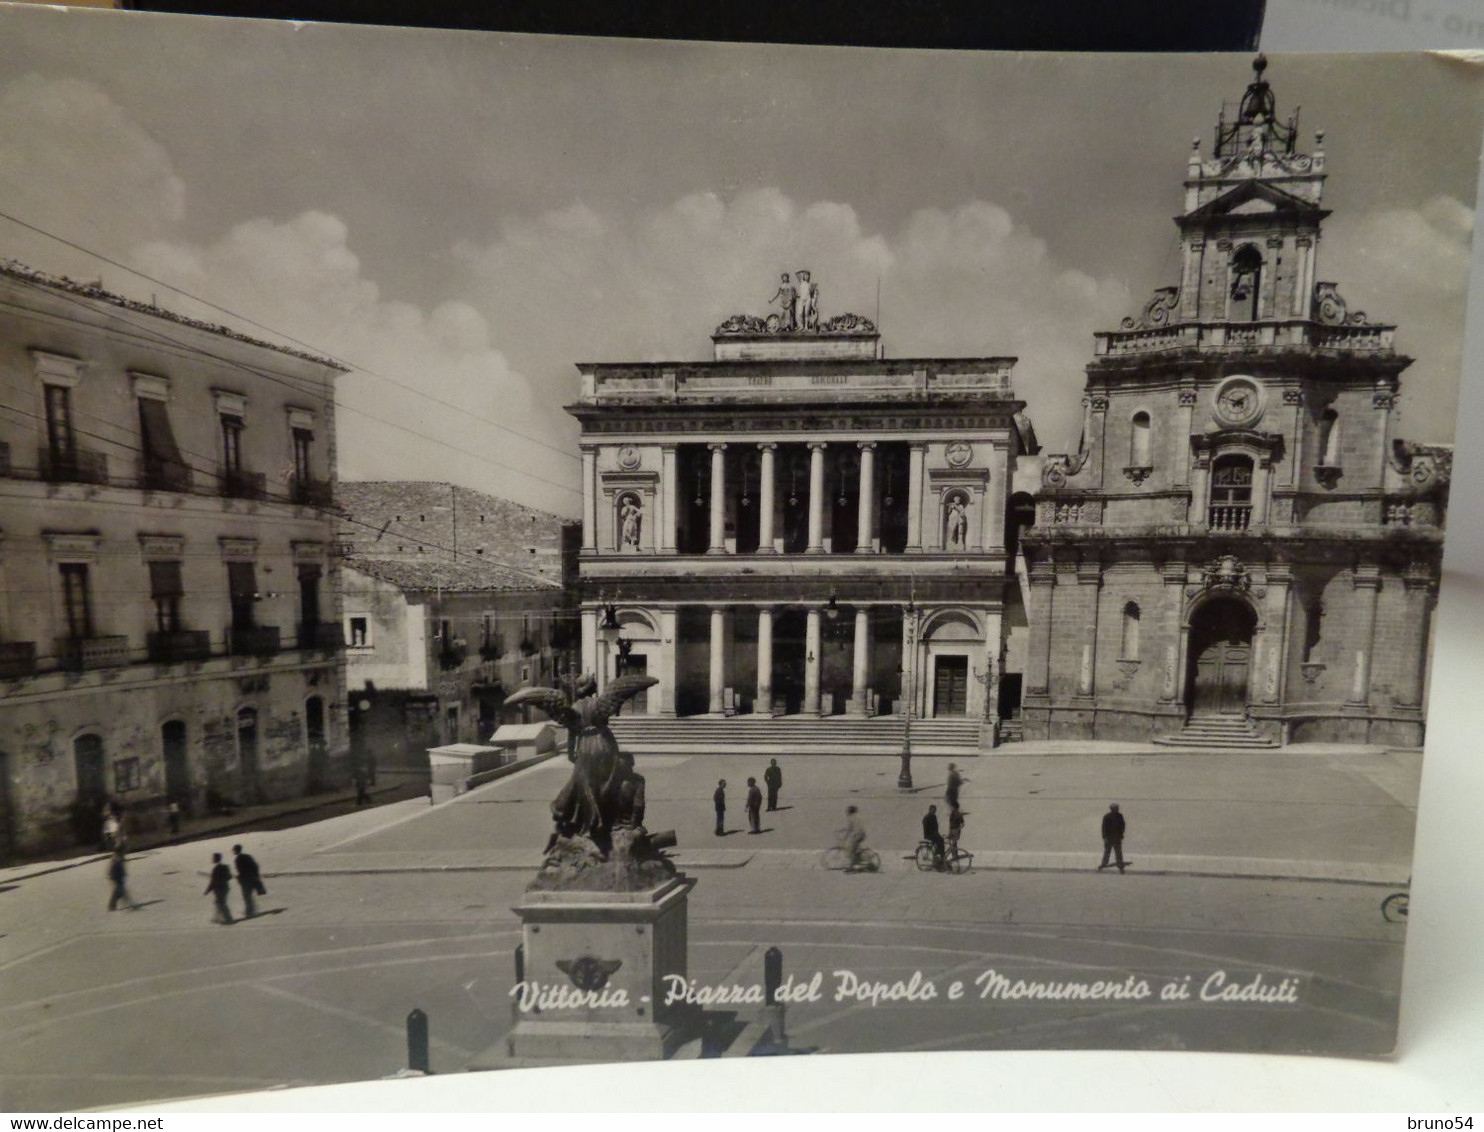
(930, 833)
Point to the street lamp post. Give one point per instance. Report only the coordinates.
(912, 618)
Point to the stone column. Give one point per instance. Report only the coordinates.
(1261, 476)
(1303, 298)
(811, 662)
(718, 499)
(862, 659)
(764, 702)
(766, 502)
(1042, 592)
(1268, 677)
(916, 455)
(866, 513)
(1200, 495)
(718, 660)
(1178, 450)
(996, 494)
(1268, 284)
(816, 497)
(1294, 442)
(670, 493)
(669, 646)
(1418, 581)
(1089, 581)
(1384, 399)
(590, 640)
(1174, 612)
(990, 667)
(589, 498)
(1367, 582)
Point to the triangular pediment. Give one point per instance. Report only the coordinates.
(1255, 198)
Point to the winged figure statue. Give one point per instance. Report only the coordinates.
(604, 792)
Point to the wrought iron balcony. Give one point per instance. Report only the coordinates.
(17, 659)
(255, 640)
(177, 645)
(84, 654)
(80, 465)
(310, 492)
(1230, 517)
(242, 485)
(164, 475)
(325, 636)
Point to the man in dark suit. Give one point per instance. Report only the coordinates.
(720, 800)
(1113, 829)
(754, 807)
(250, 880)
(773, 776)
(931, 833)
(219, 886)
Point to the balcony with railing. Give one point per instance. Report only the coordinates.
(80, 465)
(164, 475)
(178, 645)
(85, 654)
(237, 484)
(254, 640)
(310, 492)
(1230, 517)
(323, 636)
(17, 659)
(1224, 336)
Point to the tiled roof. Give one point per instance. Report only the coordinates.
(458, 574)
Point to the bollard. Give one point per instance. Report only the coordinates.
(772, 975)
(417, 1042)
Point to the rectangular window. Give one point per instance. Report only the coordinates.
(77, 601)
(59, 437)
(309, 596)
(166, 590)
(125, 775)
(360, 632)
(156, 436)
(232, 427)
(243, 585)
(303, 445)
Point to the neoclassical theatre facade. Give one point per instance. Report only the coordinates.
(800, 526)
(1242, 550)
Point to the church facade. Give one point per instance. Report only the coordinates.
(800, 526)
(1242, 551)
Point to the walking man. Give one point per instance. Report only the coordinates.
(773, 776)
(249, 879)
(754, 807)
(720, 800)
(219, 886)
(118, 872)
(955, 781)
(1113, 827)
(931, 833)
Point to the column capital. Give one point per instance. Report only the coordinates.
(669, 446)
(767, 445)
(716, 445)
(919, 446)
(866, 445)
(818, 445)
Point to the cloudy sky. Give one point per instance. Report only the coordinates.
(463, 216)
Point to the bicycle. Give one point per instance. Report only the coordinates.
(838, 858)
(1394, 907)
(954, 859)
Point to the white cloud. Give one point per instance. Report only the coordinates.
(303, 279)
(653, 286)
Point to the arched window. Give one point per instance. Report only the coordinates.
(1138, 444)
(1329, 439)
(1130, 650)
(1231, 493)
(1246, 283)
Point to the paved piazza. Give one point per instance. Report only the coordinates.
(1271, 862)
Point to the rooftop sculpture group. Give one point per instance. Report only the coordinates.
(798, 313)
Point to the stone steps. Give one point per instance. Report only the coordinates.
(1217, 731)
(790, 734)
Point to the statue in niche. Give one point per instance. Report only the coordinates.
(957, 523)
(806, 303)
(787, 299)
(631, 515)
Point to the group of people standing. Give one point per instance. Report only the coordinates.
(931, 830)
(219, 886)
(772, 778)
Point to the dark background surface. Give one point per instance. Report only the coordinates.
(1001, 25)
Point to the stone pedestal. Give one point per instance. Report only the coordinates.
(618, 947)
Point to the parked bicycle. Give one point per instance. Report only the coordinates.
(954, 859)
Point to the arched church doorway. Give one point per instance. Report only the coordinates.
(1221, 634)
